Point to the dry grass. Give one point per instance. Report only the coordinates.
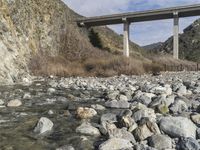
(100, 66)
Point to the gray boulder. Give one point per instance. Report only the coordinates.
(115, 144)
(44, 125)
(188, 144)
(87, 129)
(178, 127)
(160, 141)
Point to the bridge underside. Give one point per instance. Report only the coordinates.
(126, 18)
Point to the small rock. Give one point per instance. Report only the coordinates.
(14, 103)
(1, 102)
(43, 125)
(115, 144)
(66, 147)
(85, 112)
(178, 127)
(159, 141)
(182, 90)
(27, 96)
(87, 129)
(188, 144)
(98, 107)
(117, 104)
(122, 97)
(50, 112)
(196, 119)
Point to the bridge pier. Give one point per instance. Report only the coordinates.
(176, 36)
(126, 38)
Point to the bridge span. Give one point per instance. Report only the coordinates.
(127, 18)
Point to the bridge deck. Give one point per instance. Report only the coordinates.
(166, 13)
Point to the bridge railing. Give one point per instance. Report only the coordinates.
(181, 67)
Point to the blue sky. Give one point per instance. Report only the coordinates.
(142, 33)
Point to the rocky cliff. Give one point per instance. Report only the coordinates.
(189, 43)
(45, 27)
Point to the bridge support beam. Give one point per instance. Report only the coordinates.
(126, 39)
(176, 36)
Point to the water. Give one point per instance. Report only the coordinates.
(17, 124)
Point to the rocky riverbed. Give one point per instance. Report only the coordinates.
(118, 113)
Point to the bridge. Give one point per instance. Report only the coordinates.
(127, 18)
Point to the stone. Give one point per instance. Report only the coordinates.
(143, 147)
(112, 95)
(115, 144)
(1, 102)
(51, 90)
(66, 147)
(146, 128)
(107, 122)
(144, 113)
(122, 97)
(160, 141)
(87, 129)
(196, 119)
(27, 96)
(85, 112)
(178, 127)
(117, 104)
(146, 98)
(44, 125)
(98, 107)
(182, 90)
(169, 100)
(162, 108)
(188, 143)
(125, 120)
(198, 133)
(50, 112)
(178, 107)
(14, 103)
(121, 133)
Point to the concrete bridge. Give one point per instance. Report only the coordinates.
(127, 18)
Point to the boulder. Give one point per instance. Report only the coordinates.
(115, 144)
(144, 113)
(1, 102)
(178, 107)
(178, 127)
(146, 128)
(188, 143)
(122, 134)
(44, 125)
(85, 112)
(160, 141)
(14, 103)
(87, 129)
(125, 120)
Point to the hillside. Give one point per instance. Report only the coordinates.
(31, 30)
(189, 43)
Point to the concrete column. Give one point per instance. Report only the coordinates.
(126, 39)
(176, 36)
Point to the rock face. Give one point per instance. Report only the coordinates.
(43, 125)
(178, 127)
(49, 31)
(115, 144)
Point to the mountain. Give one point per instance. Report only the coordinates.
(31, 30)
(153, 46)
(189, 43)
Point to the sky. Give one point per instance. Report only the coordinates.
(142, 33)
